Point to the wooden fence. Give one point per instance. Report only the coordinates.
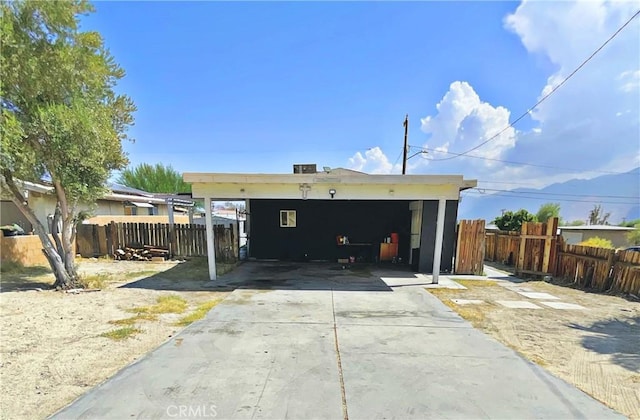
(184, 240)
(502, 247)
(600, 269)
(470, 247)
(537, 248)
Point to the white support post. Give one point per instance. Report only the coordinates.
(437, 252)
(211, 247)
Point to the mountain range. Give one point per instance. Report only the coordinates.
(618, 194)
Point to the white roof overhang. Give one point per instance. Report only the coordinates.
(352, 186)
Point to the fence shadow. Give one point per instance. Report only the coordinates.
(618, 338)
(194, 276)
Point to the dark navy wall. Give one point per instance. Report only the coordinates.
(428, 235)
(318, 224)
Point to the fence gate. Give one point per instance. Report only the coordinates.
(537, 251)
(470, 247)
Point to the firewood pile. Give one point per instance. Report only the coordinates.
(146, 253)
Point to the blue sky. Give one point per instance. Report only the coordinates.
(256, 87)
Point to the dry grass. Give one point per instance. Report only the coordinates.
(196, 268)
(538, 360)
(445, 292)
(135, 274)
(134, 319)
(94, 281)
(475, 314)
(170, 304)
(198, 314)
(470, 283)
(121, 333)
(8, 268)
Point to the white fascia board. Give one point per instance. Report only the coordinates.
(324, 178)
(233, 191)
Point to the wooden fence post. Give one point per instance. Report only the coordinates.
(521, 251)
(456, 269)
(552, 229)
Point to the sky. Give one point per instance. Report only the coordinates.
(259, 86)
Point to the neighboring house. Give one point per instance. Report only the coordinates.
(227, 218)
(491, 228)
(616, 234)
(301, 216)
(120, 204)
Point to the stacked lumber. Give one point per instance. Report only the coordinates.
(146, 253)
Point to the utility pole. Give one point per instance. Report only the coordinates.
(406, 144)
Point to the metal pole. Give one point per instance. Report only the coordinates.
(437, 252)
(211, 248)
(406, 144)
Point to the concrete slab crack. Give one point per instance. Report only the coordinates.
(343, 394)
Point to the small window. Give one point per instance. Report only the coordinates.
(288, 218)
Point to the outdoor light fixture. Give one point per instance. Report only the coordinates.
(332, 192)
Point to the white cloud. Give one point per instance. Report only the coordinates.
(464, 121)
(630, 81)
(374, 161)
(590, 123)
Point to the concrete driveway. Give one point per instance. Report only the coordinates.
(315, 341)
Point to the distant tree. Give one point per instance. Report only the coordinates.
(597, 216)
(576, 223)
(548, 211)
(513, 220)
(634, 236)
(597, 242)
(630, 223)
(156, 178)
(61, 118)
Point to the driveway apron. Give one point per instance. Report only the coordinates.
(323, 350)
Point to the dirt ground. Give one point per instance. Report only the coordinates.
(51, 349)
(596, 348)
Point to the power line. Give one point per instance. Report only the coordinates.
(519, 163)
(399, 156)
(478, 193)
(551, 92)
(561, 194)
